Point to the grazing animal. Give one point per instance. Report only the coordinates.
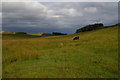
(75, 38)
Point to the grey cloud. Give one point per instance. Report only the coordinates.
(56, 16)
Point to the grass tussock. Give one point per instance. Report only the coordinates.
(18, 52)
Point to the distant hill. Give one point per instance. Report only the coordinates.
(7, 32)
(83, 29)
(93, 27)
(46, 34)
(41, 34)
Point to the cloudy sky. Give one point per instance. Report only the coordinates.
(34, 17)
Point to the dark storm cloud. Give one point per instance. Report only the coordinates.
(64, 17)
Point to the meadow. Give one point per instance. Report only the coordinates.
(94, 55)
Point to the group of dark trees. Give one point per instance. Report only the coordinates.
(58, 33)
(20, 33)
(90, 27)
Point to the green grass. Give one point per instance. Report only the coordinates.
(94, 55)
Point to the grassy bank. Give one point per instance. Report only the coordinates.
(94, 55)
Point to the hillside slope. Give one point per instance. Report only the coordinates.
(92, 27)
(94, 55)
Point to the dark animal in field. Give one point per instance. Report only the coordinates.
(75, 38)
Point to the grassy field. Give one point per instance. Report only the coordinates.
(94, 55)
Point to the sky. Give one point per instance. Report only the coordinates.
(66, 17)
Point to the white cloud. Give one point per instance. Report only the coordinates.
(91, 9)
(19, 0)
(71, 12)
(61, 0)
(0, 17)
(0, 14)
(56, 16)
(25, 9)
(36, 10)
